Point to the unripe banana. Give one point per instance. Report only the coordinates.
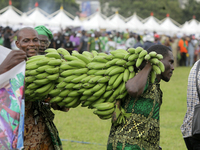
(156, 69)
(110, 69)
(61, 84)
(104, 106)
(56, 99)
(131, 75)
(161, 66)
(70, 85)
(53, 70)
(102, 54)
(50, 50)
(153, 54)
(83, 58)
(101, 91)
(100, 59)
(87, 92)
(71, 104)
(65, 66)
(109, 57)
(100, 100)
(84, 97)
(93, 98)
(118, 81)
(33, 86)
(94, 79)
(86, 79)
(77, 86)
(74, 52)
(77, 63)
(130, 68)
(117, 90)
(78, 79)
(131, 50)
(159, 56)
(42, 81)
(109, 87)
(133, 57)
(73, 93)
(154, 61)
(81, 90)
(126, 75)
(53, 77)
(27, 71)
(29, 79)
(43, 68)
(104, 112)
(60, 79)
(55, 62)
(44, 88)
(143, 53)
(139, 62)
(117, 71)
(153, 76)
(64, 93)
(121, 62)
(112, 62)
(97, 87)
(67, 73)
(29, 91)
(61, 104)
(88, 85)
(98, 65)
(123, 95)
(36, 57)
(53, 55)
(63, 51)
(123, 88)
(68, 99)
(31, 66)
(80, 71)
(138, 50)
(104, 79)
(105, 117)
(127, 56)
(119, 51)
(94, 53)
(113, 79)
(42, 75)
(87, 54)
(119, 55)
(55, 92)
(130, 63)
(70, 58)
(70, 78)
(107, 93)
(100, 72)
(86, 103)
(43, 62)
(147, 57)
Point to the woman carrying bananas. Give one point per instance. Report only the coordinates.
(141, 131)
(39, 129)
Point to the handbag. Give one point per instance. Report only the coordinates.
(196, 115)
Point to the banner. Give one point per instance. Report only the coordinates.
(11, 105)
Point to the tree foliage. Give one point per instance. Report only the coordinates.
(160, 8)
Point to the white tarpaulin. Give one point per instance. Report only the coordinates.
(10, 17)
(135, 24)
(60, 18)
(168, 26)
(117, 22)
(38, 18)
(151, 24)
(77, 22)
(192, 27)
(95, 22)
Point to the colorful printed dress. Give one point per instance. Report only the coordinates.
(142, 130)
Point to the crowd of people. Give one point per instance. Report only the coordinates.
(186, 49)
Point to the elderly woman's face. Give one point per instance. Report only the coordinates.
(44, 42)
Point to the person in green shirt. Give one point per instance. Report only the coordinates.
(103, 40)
(94, 42)
(142, 130)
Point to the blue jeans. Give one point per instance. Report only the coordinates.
(192, 144)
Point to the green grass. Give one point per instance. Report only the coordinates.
(80, 124)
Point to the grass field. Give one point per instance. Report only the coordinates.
(81, 125)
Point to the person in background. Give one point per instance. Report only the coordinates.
(58, 40)
(39, 129)
(191, 49)
(168, 42)
(110, 45)
(183, 44)
(138, 42)
(94, 43)
(174, 46)
(67, 44)
(157, 39)
(148, 41)
(7, 37)
(192, 100)
(130, 41)
(83, 42)
(75, 40)
(104, 39)
(45, 37)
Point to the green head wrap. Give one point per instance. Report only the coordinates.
(42, 30)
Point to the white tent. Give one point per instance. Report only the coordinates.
(169, 26)
(117, 22)
(25, 20)
(192, 27)
(134, 23)
(38, 17)
(9, 16)
(77, 22)
(60, 18)
(96, 22)
(151, 24)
